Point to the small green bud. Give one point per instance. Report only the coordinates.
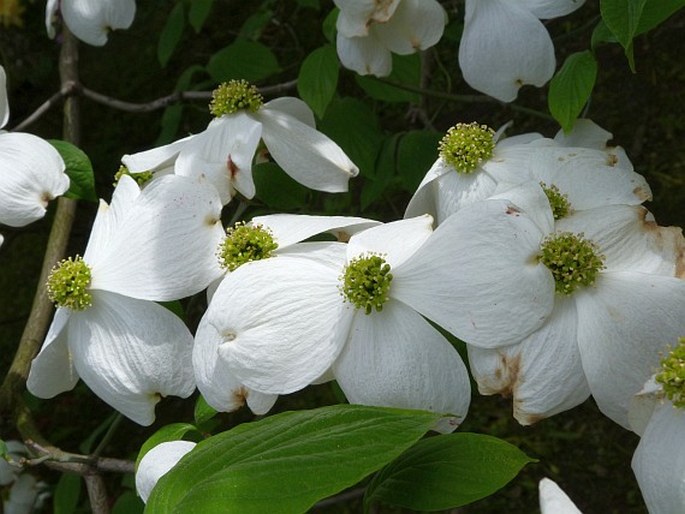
(234, 95)
(141, 178)
(366, 282)
(672, 375)
(466, 145)
(573, 260)
(68, 282)
(558, 201)
(245, 243)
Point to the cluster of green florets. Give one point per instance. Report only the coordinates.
(672, 375)
(68, 282)
(244, 243)
(558, 201)
(466, 145)
(233, 96)
(366, 282)
(573, 260)
(141, 178)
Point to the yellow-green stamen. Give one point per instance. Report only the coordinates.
(68, 282)
(558, 201)
(141, 177)
(573, 260)
(466, 145)
(244, 243)
(366, 282)
(233, 96)
(672, 375)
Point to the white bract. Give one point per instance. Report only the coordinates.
(561, 308)
(658, 415)
(370, 31)
(90, 20)
(31, 172)
(158, 462)
(474, 165)
(280, 324)
(263, 238)
(146, 246)
(223, 153)
(553, 500)
(505, 45)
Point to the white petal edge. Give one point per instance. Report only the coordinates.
(365, 55)
(4, 103)
(416, 25)
(553, 500)
(92, 20)
(158, 462)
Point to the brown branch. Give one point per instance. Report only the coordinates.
(58, 459)
(69, 89)
(97, 494)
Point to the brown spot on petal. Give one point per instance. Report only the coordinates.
(512, 210)
(45, 198)
(642, 194)
(612, 160)
(526, 419)
(342, 236)
(666, 241)
(232, 167)
(240, 396)
(506, 377)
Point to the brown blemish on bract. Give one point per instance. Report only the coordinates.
(512, 211)
(45, 198)
(612, 160)
(506, 377)
(527, 419)
(642, 194)
(342, 236)
(232, 167)
(668, 240)
(240, 396)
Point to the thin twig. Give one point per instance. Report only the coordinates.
(56, 458)
(45, 107)
(97, 494)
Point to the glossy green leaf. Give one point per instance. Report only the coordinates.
(79, 169)
(198, 13)
(656, 11)
(171, 34)
(386, 171)
(277, 189)
(173, 432)
(128, 503)
(406, 70)
(318, 78)
(353, 125)
(447, 471)
(416, 153)
(243, 59)
(287, 462)
(328, 26)
(571, 87)
(67, 493)
(203, 411)
(601, 34)
(623, 17)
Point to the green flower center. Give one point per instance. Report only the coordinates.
(141, 178)
(466, 145)
(672, 375)
(573, 260)
(233, 96)
(558, 201)
(245, 243)
(366, 282)
(68, 282)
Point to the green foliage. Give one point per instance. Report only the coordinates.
(416, 153)
(318, 79)
(67, 494)
(277, 189)
(79, 169)
(406, 69)
(623, 17)
(656, 12)
(198, 12)
(172, 432)
(287, 462)
(243, 59)
(571, 87)
(128, 503)
(171, 34)
(203, 411)
(446, 471)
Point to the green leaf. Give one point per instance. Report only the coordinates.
(173, 432)
(287, 462)
(312, 4)
(128, 503)
(416, 153)
(318, 78)
(198, 13)
(67, 493)
(447, 471)
(203, 411)
(570, 88)
(277, 189)
(254, 25)
(656, 11)
(171, 34)
(386, 166)
(79, 169)
(601, 34)
(406, 69)
(622, 17)
(3, 449)
(328, 26)
(353, 125)
(243, 59)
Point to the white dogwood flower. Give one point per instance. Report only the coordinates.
(32, 171)
(280, 324)
(505, 45)
(157, 462)
(146, 246)
(264, 237)
(658, 415)
(553, 500)
(90, 20)
(369, 31)
(223, 153)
